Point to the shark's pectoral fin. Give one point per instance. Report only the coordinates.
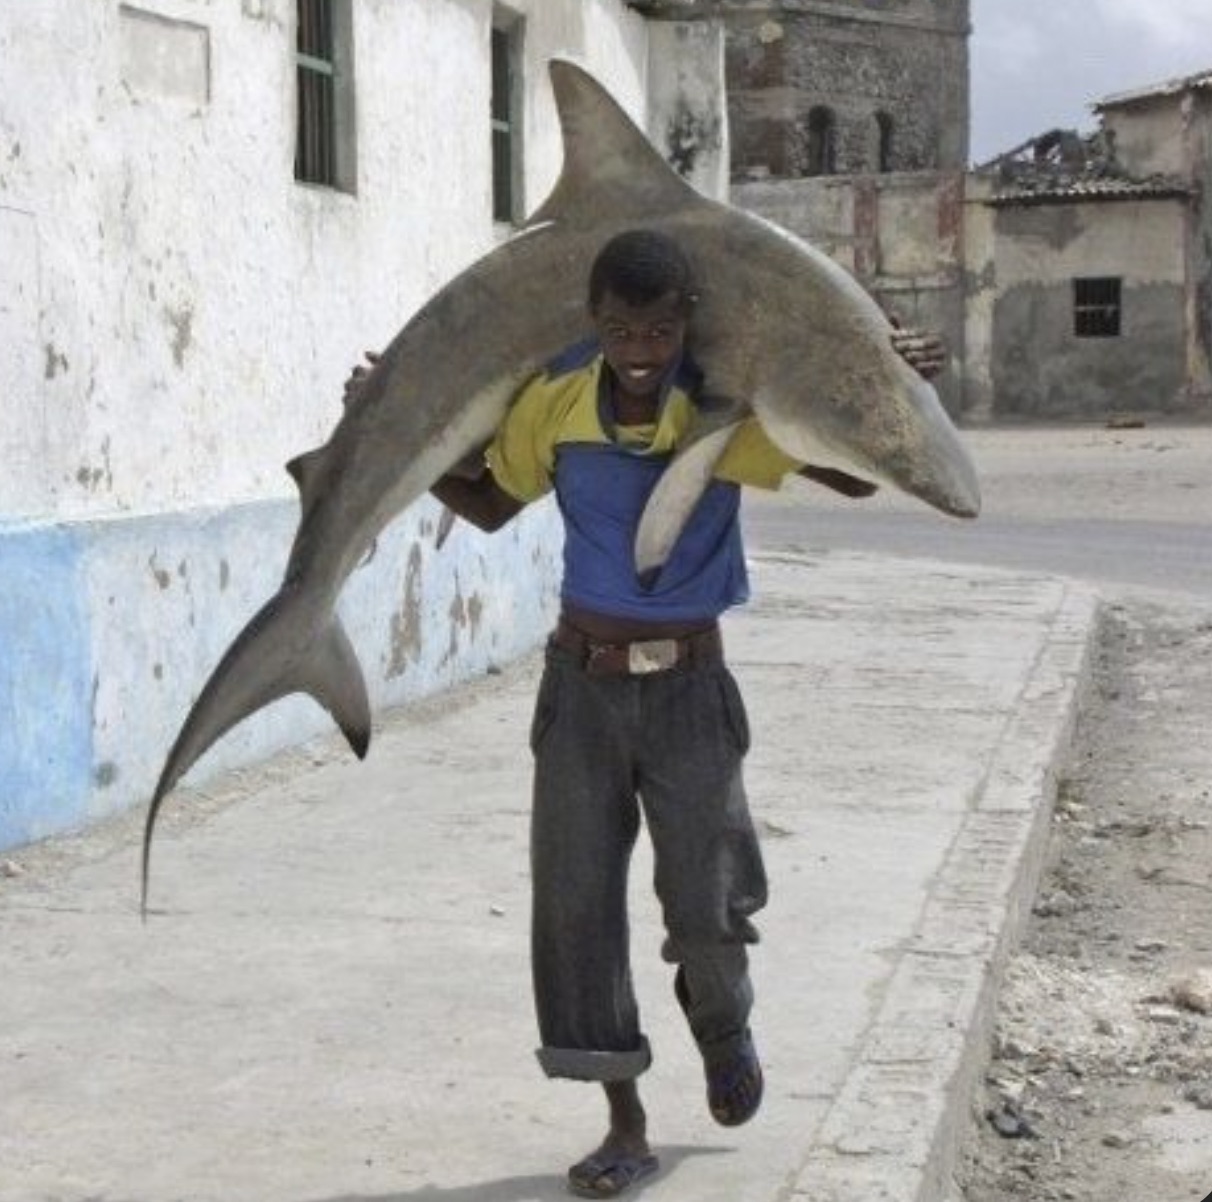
(678, 491)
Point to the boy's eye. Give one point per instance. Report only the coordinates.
(626, 334)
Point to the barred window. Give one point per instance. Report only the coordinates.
(822, 141)
(324, 144)
(504, 116)
(883, 135)
(1097, 307)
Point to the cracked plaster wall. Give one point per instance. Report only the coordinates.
(899, 235)
(1037, 366)
(178, 317)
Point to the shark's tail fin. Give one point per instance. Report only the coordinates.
(273, 656)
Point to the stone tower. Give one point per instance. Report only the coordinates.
(839, 87)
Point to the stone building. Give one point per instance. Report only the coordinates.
(846, 88)
(849, 126)
(1089, 266)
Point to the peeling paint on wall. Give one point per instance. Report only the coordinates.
(56, 362)
(163, 578)
(406, 624)
(457, 613)
(92, 478)
(475, 614)
(181, 322)
(690, 135)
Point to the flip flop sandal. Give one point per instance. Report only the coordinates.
(735, 1086)
(606, 1176)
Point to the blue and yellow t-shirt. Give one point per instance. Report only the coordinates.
(560, 434)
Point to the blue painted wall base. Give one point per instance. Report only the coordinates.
(110, 628)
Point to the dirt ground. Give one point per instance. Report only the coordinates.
(1099, 1083)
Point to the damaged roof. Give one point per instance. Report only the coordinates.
(1063, 166)
(1200, 82)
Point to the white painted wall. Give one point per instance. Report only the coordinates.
(179, 313)
(177, 318)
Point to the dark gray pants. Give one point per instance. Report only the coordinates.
(603, 744)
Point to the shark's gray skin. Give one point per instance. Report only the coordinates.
(779, 330)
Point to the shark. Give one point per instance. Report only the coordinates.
(780, 331)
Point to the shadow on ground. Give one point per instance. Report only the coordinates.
(547, 1188)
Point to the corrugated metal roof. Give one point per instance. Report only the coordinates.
(1170, 87)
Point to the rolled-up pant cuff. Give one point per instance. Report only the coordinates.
(580, 1065)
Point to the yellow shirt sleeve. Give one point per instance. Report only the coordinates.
(751, 458)
(521, 456)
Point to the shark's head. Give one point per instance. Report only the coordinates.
(813, 352)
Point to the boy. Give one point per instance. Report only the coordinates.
(636, 705)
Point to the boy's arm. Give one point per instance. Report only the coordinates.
(477, 499)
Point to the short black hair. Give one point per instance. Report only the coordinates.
(639, 267)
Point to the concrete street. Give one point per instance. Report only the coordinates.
(330, 1001)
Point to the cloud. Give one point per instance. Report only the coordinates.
(1170, 24)
(1038, 64)
(1007, 43)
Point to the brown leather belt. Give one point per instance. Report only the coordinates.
(640, 657)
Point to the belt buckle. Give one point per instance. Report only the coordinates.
(651, 655)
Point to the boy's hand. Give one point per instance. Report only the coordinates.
(471, 467)
(830, 477)
(357, 378)
(923, 350)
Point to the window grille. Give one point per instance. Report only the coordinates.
(1097, 307)
(323, 65)
(506, 53)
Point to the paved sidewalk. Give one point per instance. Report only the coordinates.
(331, 1000)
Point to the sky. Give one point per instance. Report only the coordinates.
(1037, 65)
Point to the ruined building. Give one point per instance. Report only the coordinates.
(849, 124)
(1090, 264)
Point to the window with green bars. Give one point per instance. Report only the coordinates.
(324, 142)
(506, 126)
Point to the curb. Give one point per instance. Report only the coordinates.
(894, 1131)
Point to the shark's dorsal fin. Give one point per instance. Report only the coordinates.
(610, 167)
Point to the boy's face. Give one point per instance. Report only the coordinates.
(641, 342)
